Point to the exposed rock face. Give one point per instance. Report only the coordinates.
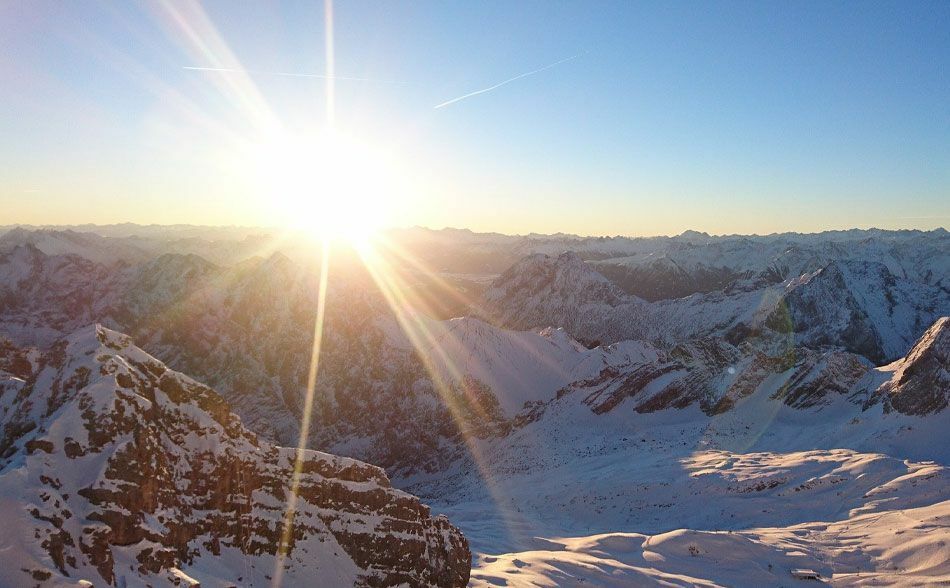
(818, 376)
(920, 383)
(14, 361)
(114, 467)
(855, 305)
(549, 291)
(675, 380)
(715, 375)
(861, 307)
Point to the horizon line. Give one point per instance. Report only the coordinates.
(280, 229)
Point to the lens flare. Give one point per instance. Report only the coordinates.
(334, 187)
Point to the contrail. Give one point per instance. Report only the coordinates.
(500, 84)
(288, 74)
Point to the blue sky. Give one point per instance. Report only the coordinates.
(725, 117)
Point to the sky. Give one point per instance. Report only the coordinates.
(635, 118)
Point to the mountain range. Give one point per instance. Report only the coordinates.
(604, 390)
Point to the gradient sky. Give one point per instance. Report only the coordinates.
(731, 117)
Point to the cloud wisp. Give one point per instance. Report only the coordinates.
(288, 74)
(508, 81)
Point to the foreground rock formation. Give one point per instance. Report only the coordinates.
(114, 468)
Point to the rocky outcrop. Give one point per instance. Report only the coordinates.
(820, 376)
(681, 377)
(114, 467)
(920, 384)
(715, 375)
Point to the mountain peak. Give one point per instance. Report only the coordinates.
(935, 342)
(691, 234)
(541, 288)
(920, 383)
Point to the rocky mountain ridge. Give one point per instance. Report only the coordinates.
(714, 375)
(760, 403)
(246, 329)
(115, 469)
(858, 306)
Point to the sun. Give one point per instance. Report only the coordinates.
(327, 184)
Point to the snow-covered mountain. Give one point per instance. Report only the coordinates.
(115, 470)
(652, 268)
(729, 408)
(659, 268)
(696, 262)
(859, 306)
(715, 376)
(919, 384)
(561, 291)
(813, 465)
(518, 367)
(564, 291)
(247, 330)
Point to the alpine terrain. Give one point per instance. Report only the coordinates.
(689, 410)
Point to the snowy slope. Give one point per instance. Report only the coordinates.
(520, 366)
(804, 470)
(752, 557)
(736, 501)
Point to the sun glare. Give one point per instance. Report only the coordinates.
(327, 184)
